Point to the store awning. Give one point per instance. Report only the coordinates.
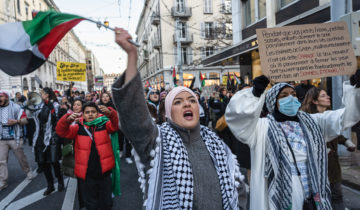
(238, 49)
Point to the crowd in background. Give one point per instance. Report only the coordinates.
(51, 149)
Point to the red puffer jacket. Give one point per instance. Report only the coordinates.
(65, 129)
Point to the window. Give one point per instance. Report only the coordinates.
(18, 6)
(209, 51)
(226, 7)
(26, 10)
(209, 30)
(228, 30)
(33, 83)
(186, 55)
(255, 10)
(207, 6)
(182, 27)
(180, 5)
(7, 5)
(283, 3)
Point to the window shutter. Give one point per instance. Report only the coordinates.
(175, 56)
(189, 55)
(223, 33)
(202, 51)
(202, 29)
(216, 31)
(204, 6)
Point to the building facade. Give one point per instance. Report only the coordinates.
(248, 15)
(202, 27)
(69, 49)
(92, 70)
(109, 79)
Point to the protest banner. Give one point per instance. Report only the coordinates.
(99, 81)
(68, 71)
(304, 52)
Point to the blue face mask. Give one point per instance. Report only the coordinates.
(289, 106)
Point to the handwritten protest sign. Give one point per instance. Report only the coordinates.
(306, 51)
(68, 71)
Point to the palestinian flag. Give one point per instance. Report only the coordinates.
(25, 46)
(202, 80)
(174, 77)
(237, 79)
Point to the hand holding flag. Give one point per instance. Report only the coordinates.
(25, 46)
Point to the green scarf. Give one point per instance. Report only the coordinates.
(115, 176)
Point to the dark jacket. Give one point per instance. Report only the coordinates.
(334, 168)
(51, 153)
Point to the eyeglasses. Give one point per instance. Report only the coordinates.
(154, 93)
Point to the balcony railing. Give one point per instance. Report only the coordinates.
(185, 40)
(155, 19)
(183, 12)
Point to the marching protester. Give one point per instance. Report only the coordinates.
(11, 137)
(187, 166)
(288, 153)
(317, 101)
(218, 103)
(204, 111)
(88, 97)
(105, 99)
(153, 99)
(94, 156)
(46, 145)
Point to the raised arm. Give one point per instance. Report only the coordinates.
(64, 128)
(242, 115)
(333, 123)
(128, 95)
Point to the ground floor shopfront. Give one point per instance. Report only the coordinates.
(163, 79)
(247, 56)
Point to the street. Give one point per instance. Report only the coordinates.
(27, 195)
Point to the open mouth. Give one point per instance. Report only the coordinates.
(188, 115)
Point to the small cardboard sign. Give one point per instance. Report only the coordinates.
(68, 71)
(99, 81)
(304, 52)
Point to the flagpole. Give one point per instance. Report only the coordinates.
(99, 24)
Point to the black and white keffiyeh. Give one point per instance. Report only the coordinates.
(171, 184)
(272, 94)
(278, 158)
(12, 111)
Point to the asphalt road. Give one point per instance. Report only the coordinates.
(24, 194)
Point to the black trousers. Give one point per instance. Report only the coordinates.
(96, 193)
(48, 172)
(124, 144)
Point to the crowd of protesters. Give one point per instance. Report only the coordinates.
(192, 151)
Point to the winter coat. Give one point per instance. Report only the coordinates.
(243, 118)
(83, 142)
(52, 152)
